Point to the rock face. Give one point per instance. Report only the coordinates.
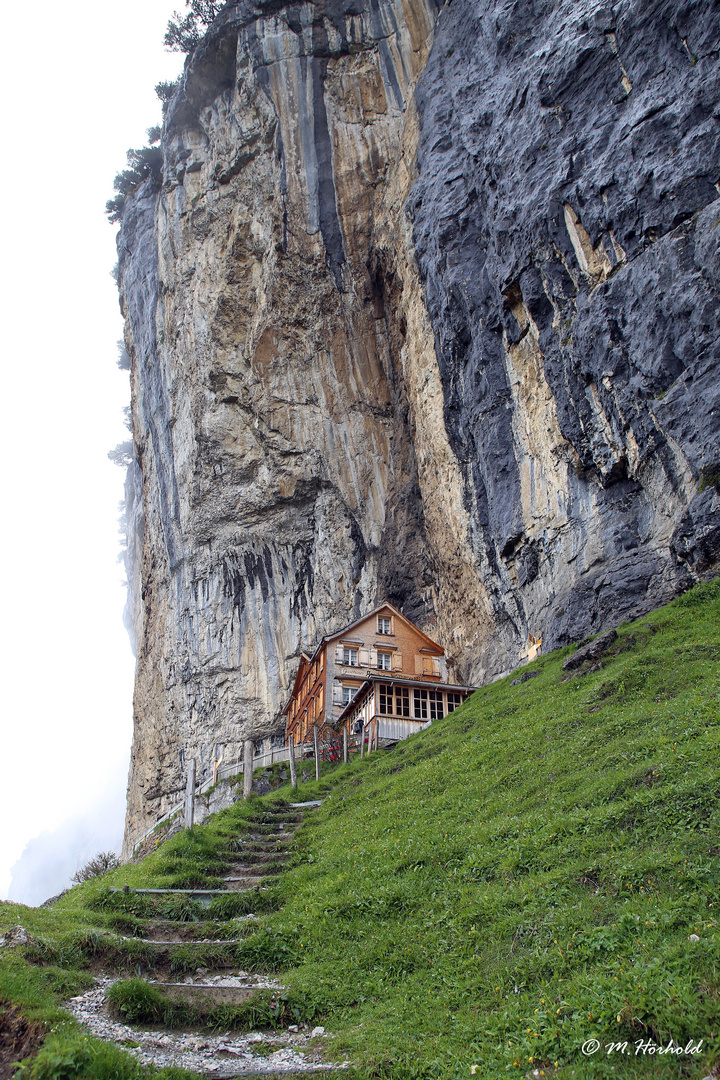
(424, 309)
(566, 226)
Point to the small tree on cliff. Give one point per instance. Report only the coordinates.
(184, 31)
(145, 162)
(165, 91)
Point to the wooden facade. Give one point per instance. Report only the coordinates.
(386, 709)
(381, 645)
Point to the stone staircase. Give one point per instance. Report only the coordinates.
(253, 858)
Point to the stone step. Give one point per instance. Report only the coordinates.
(171, 932)
(264, 855)
(204, 897)
(171, 892)
(275, 822)
(262, 858)
(256, 869)
(187, 941)
(268, 833)
(266, 842)
(220, 990)
(265, 845)
(277, 819)
(263, 839)
(242, 884)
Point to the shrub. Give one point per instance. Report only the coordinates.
(142, 164)
(104, 860)
(114, 208)
(165, 91)
(184, 32)
(136, 1000)
(123, 360)
(60, 1063)
(121, 455)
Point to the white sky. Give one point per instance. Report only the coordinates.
(77, 80)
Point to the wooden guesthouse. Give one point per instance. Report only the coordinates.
(381, 677)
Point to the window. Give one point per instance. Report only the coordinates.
(454, 701)
(402, 701)
(348, 693)
(436, 704)
(350, 657)
(386, 700)
(384, 661)
(420, 710)
(383, 626)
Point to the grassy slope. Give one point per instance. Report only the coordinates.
(521, 877)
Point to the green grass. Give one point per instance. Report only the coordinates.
(521, 877)
(66, 1055)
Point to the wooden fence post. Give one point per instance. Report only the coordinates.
(362, 741)
(317, 752)
(248, 754)
(291, 759)
(345, 745)
(190, 795)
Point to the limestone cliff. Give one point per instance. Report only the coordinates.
(424, 308)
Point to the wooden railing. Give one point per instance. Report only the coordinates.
(224, 772)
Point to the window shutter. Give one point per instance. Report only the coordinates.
(337, 695)
(338, 654)
(436, 665)
(418, 664)
(364, 658)
(397, 661)
(372, 657)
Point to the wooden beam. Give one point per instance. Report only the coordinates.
(291, 759)
(345, 744)
(190, 795)
(248, 754)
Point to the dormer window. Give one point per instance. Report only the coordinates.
(383, 625)
(350, 657)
